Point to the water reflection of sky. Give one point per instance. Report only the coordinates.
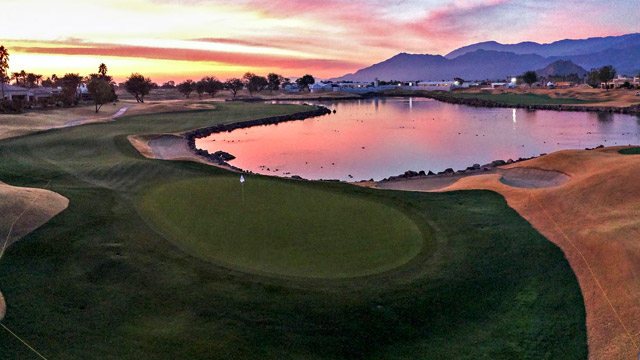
(376, 138)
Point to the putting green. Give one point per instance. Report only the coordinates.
(282, 228)
(630, 151)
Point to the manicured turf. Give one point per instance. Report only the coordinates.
(630, 151)
(522, 99)
(97, 282)
(282, 228)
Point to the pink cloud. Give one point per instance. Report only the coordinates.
(239, 59)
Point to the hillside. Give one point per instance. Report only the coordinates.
(567, 47)
(561, 68)
(494, 61)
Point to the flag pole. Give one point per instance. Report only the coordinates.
(242, 188)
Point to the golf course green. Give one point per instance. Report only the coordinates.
(630, 151)
(281, 228)
(159, 259)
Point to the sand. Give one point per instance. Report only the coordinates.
(24, 210)
(168, 147)
(590, 207)
(524, 177)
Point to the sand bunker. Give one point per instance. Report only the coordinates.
(24, 210)
(166, 147)
(170, 147)
(532, 178)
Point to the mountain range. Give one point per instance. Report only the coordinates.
(495, 61)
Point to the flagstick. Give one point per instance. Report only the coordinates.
(242, 188)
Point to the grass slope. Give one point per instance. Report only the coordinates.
(98, 282)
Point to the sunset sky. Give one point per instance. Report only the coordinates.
(174, 40)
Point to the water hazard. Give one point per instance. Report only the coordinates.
(380, 137)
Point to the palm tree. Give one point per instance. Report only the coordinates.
(38, 79)
(102, 69)
(23, 75)
(4, 65)
(16, 77)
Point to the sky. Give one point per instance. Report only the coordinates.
(175, 40)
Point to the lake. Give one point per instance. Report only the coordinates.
(380, 137)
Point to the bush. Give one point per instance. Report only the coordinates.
(16, 106)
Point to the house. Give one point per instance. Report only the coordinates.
(28, 94)
(621, 80)
(320, 86)
(292, 88)
(564, 84)
(436, 85)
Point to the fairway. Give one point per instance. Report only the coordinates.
(158, 259)
(520, 99)
(282, 228)
(630, 151)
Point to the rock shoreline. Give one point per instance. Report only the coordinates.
(308, 98)
(470, 170)
(221, 157)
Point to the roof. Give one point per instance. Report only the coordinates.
(8, 87)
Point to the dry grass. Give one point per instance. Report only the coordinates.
(159, 106)
(595, 219)
(12, 125)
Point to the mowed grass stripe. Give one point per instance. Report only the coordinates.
(282, 228)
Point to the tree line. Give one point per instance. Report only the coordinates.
(594, 78)
(252, 82)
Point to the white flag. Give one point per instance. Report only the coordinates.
(241, 178)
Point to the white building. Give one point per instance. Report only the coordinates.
(436, 85)
(29, 94)
(620, 80)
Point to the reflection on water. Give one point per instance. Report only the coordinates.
(380, 137)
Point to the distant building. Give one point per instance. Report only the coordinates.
(28, 94)
(620, 81)
(437, 85)
(564, 84)
(292, 88)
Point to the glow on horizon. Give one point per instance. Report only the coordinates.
(172, 39)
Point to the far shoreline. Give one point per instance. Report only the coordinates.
(446, 97)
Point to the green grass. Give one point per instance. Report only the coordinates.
(98, 282)
(630, 151)
(282, 228)
(520, 99)
(506, 98)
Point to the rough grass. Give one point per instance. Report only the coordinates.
(282, 228)
(98, 282)
(630, 151)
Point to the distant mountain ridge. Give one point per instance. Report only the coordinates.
(561, 68)
(567, 47)
(492, 60)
